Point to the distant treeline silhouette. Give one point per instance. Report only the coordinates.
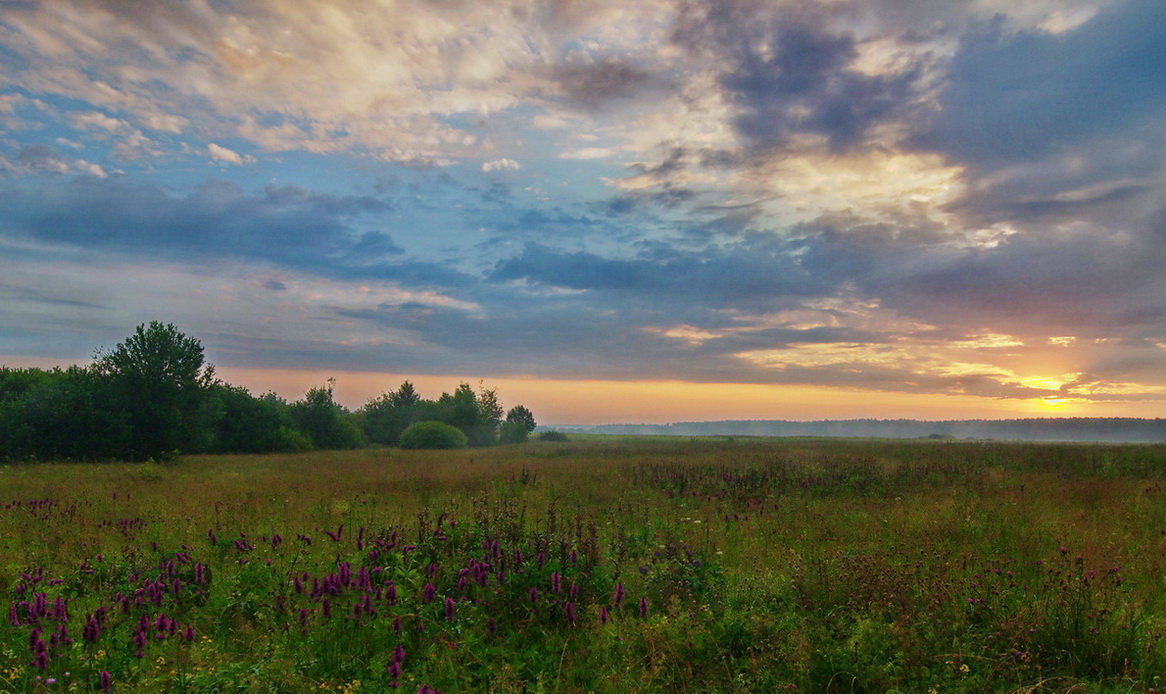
(154, 396)
(1102, 429)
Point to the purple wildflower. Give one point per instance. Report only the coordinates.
(428, 592)
(644, 606)
(449, 609)
(618, 597)
(105, 680)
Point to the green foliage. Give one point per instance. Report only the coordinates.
(552, 436)
(159, 379)
(521, 416)
(433, 435)
(154, 396)
(249, 424)
(383, 419)
(324, 422)
(513, 432)
(476, 415)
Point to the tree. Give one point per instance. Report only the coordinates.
(518, 425)
(324, 422)
(162, 383)
(254, 425)
(384, 418)
(520, 415)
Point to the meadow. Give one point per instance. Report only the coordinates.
(598, 564)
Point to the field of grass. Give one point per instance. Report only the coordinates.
(608, 565)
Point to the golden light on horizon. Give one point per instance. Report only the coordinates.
(589, 402)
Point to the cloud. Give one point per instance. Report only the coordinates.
(790, 75)
(42, 159)
(285, 225)
(588, 153)
(227, 156)
(1028, 94)
(503, 164)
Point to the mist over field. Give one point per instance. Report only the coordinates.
(1112, 430)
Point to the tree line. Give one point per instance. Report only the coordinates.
(154, 395)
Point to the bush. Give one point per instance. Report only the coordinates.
(433, 435)
(513, 432)
(552, 435)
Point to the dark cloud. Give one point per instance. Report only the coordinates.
(286, 225)
(1056, 283)
(374, 245)
(791, 75)
(760, 272)
(1019, 96)
(591, 85)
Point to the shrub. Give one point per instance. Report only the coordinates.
(432, 435)
(513, 432)
(552, 435)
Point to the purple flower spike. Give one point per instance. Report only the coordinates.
(556, 582)
(533, 594)
(603, 615)
(105, 680)
(449, 609)
(428, 593)
(644, 606)
(618, 597)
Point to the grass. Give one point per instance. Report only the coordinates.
(607, 564)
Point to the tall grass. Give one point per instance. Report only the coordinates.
(623, 564)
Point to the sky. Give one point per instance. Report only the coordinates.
(613, 212)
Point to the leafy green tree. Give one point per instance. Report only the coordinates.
(383, 419)
(161, 381)
(478, 415)
(433, 435)
(61, 415)
(325, 422)
(518, 425)
(250, 424)
(522, 416)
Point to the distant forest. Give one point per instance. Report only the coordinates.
(154, 397)
(1111, 430)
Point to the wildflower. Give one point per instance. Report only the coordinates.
(105, 680)
(644, 606)
(428, 592)
(449, 609)
(618, 597)
(569, 612)
(533, 594)
(603, 615)
(556, 582)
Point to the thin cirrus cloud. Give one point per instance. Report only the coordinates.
(832, 195)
